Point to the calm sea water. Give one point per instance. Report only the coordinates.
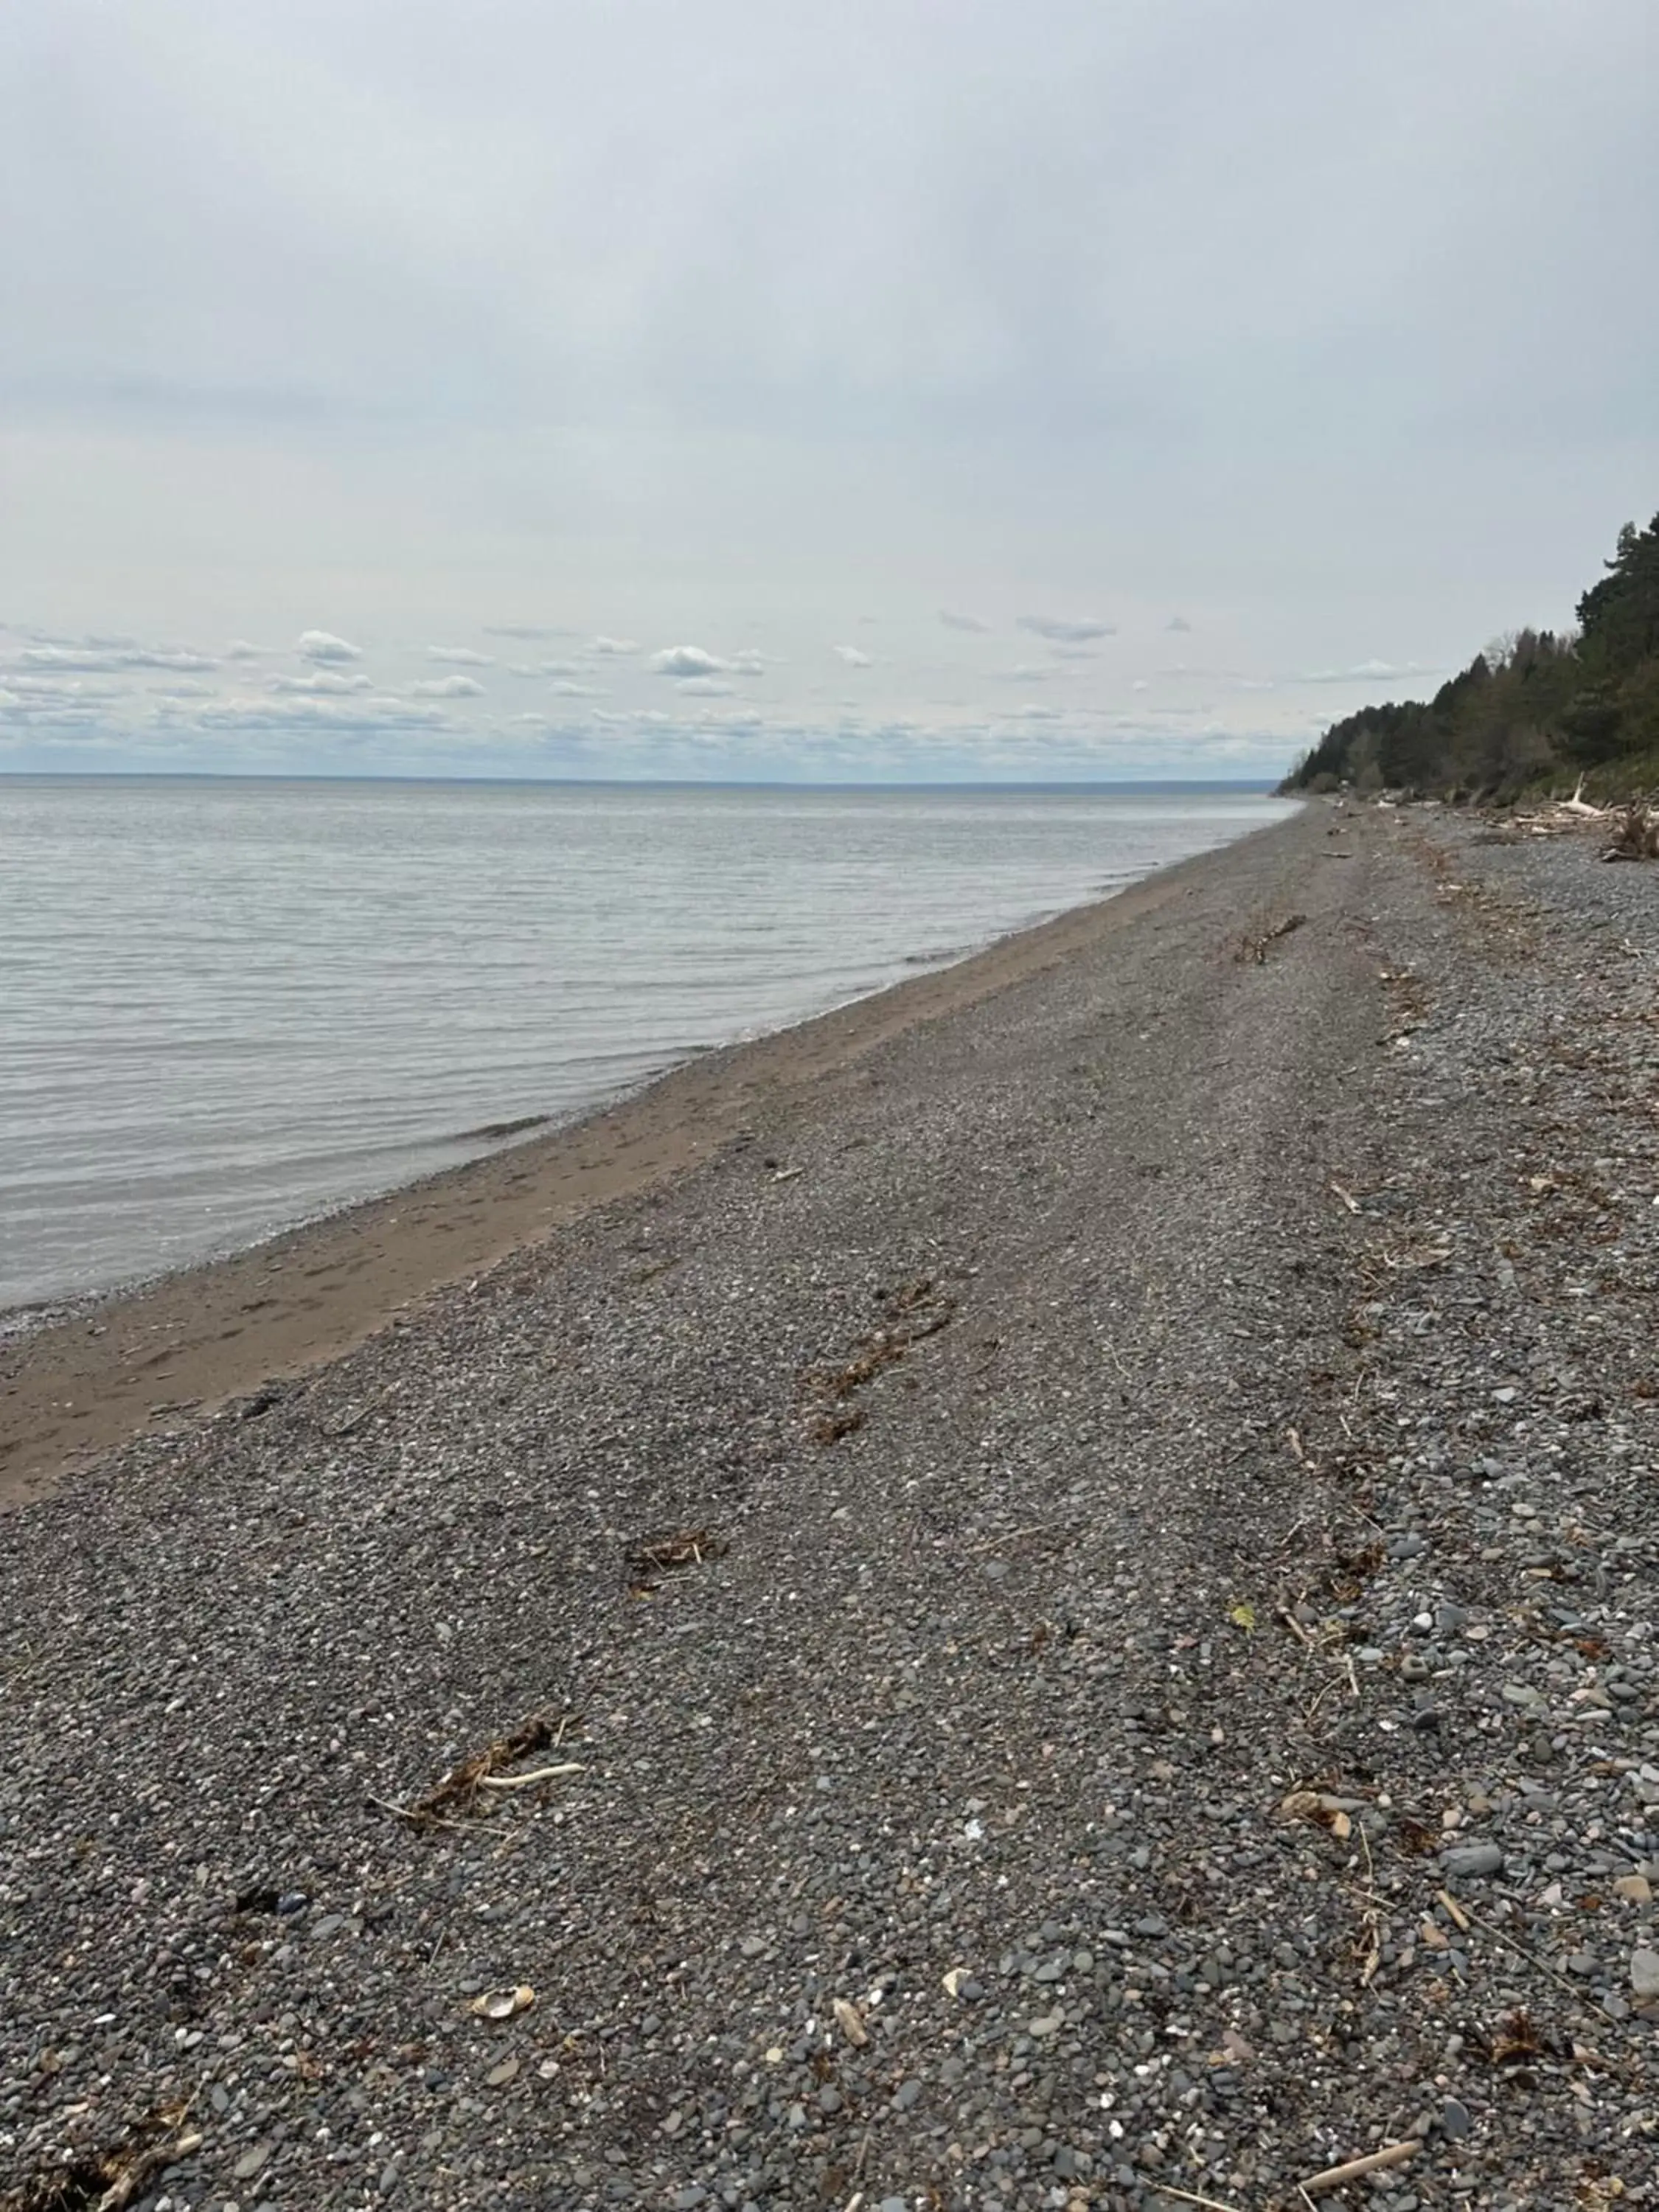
(226, 1005)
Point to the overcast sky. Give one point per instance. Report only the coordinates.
(889, 388)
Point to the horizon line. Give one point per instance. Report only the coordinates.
(644, 783)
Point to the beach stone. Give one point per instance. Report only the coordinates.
(1644, 1974)
(1472, 1859)
(1454, 2121)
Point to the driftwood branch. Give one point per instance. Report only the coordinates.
(1253, 952)
(1638, 835)
(459, 1790)
(1356, 2169)
(528, 1781)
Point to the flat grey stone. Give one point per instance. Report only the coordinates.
(1473, 1858)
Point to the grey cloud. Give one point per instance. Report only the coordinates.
(37, 714)
(322, 680)
(705, 687)
(1177, 622)
(686, 660)
(565, 689)
(322, 645)
(447, 687)
(100, 657)
(852, 656)
(953, 621)
(1365, 671)
(362, 716)
(528, 632)
(240, 649)
(1060, 630)
(461, 656)
(26, 684)
(613, 644)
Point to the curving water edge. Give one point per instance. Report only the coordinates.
(232, 1004)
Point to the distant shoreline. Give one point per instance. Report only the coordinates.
(1152, 785)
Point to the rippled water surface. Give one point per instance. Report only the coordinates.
(224, 1006)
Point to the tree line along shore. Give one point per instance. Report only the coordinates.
(1535, 709)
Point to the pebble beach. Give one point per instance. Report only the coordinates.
(1039, 1593)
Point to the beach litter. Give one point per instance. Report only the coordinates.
(458, 1790)
(1253, 950)
(503, 2004)
(670, 1553)
(910, 1314)
(109, 2181)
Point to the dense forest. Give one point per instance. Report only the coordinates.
(1537, 708)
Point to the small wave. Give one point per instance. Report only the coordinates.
(492, 1131)
(937, 957)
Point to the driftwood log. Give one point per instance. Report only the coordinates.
(1638, 835)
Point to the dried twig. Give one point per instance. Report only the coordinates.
(459, 1789)
(119, 2175)
(679, 1547)
(1013, 1536)
(1253, 950)
(916, 1311)
(1373, 1924)
(1337, 2177)
(1186, 2197)
(414, 1815)
(528, 1781)
(1521, 1952)
(1284, 1613)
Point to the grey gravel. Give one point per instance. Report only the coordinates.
(1264, 1323)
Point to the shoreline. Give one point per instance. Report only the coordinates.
(106, 1365)
(1077, 1611)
